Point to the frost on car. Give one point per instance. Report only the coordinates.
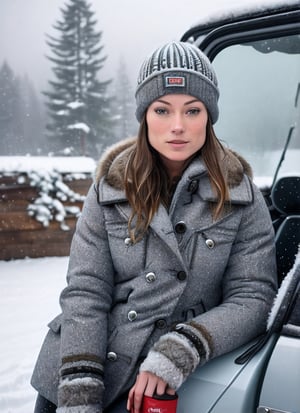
(256, 53)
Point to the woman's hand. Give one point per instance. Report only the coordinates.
(146, 383)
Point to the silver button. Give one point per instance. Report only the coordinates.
(132, 315)
(210, 243)
(127, 241)
(150, 277)
(112, 356)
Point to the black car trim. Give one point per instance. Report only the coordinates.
(264, 18)
(245, 31)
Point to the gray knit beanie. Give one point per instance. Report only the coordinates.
(177, 67)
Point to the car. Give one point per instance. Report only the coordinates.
(255, 50)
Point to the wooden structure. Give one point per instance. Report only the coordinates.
(21, 235)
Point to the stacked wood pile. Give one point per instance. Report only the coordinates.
(23, 235)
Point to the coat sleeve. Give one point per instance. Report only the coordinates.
(85, 304)
(248, 290)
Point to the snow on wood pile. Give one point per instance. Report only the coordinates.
(40, 201)
(62, 164)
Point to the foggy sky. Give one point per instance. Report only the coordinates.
(131, 30)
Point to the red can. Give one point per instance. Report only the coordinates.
(166, 403)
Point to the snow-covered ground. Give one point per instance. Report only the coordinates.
(29, 299)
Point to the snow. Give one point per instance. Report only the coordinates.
(80, 126)
(239, 8)
(52, 191)
(63, 164)
(58, 102)
(30, 290)
(75, 105)
(62, 112)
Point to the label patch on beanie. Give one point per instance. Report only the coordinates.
(171, 81)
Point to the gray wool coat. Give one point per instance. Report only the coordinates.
(122, 297)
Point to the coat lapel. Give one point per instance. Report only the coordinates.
(162, 226)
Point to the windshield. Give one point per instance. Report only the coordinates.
(260, 104)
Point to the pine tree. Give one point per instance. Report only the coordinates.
(78, 102)
(125, 121)
(32, 119)
(11, 128)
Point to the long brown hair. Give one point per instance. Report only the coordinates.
(147, 184)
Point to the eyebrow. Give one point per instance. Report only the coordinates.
(186, 103)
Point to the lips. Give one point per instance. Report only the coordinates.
(177, 142)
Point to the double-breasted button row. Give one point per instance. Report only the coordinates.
(180, 228)
(132, 315)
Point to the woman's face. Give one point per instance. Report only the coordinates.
(176, 129)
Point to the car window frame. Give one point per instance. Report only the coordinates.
(259, 28)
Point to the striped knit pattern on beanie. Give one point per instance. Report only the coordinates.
(177, 67)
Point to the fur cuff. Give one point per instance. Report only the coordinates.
(82, 395)
(173, 358)
(162, 367)
(198, 336)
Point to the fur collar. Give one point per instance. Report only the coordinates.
(113, 162)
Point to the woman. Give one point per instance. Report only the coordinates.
(172, 262)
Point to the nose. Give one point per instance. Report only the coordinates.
(177, 125)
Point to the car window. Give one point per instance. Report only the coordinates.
(260, 103)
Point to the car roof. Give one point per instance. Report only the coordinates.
(235, 14)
